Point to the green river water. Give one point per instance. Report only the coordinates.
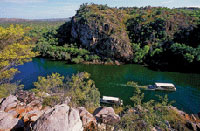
(111, 80)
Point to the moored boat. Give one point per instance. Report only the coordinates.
(111, 100)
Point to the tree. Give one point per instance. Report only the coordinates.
(14, 50)
(138, 97)
(83, 91)
(139, 53)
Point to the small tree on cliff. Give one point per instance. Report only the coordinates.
(83, 91)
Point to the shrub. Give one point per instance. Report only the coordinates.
(50, 83)
(83, 91)
(51, 101)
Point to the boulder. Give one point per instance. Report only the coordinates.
(8, 103)
(106, 115)
(7, 121)
(59, 118)
(33, 115)
(87, 118)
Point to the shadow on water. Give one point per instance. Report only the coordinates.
(111, 80)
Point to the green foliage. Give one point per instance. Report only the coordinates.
(51, 100)
(132, 83)
(148, 114)
(139, 53)
(7, 89)
(77, 60)
(80, 89)
(83, 91)
(161, 37)
(138, 96)
(49, 83)
(15, 49)
(184, 52)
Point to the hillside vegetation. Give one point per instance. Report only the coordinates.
(160, 37)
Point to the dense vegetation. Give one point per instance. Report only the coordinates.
(171, 35)
(146, 115)
(160, 37)
(79, 90)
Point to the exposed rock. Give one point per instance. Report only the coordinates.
(32, 115)
(87, 118)
(59, 118)
(106, 115)
(105, 127)
(25, 96)
(156, 129)
(36, 104)
(117, 62)
(7, 121)
(8, 103)
(198, 126)
(1, 100)
(103, 110)
(191, 125)
(102, 35)
(193, 117)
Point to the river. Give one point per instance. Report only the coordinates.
(111, 80)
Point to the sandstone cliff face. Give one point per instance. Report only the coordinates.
(102, 34)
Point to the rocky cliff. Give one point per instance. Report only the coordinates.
(102, 31)
(24, 111)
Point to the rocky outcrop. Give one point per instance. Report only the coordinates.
(9, 103)
(106, 115)
(7, 121)
(86, 117)
(59, 118)
(20, 109)
(101, 34)
(88, 120)
(192, 122)
(193, 126)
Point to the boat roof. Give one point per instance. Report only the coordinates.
(164, 84)
(110, 98)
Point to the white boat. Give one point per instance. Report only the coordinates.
(162, 86)
(111, 100)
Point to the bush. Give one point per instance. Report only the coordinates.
(77, 60)
(83, 91)
(8, 88)
(147, 114)
(51, 101)
(50, 83)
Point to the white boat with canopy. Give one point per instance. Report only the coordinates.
(163, 86)
(111, 100)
